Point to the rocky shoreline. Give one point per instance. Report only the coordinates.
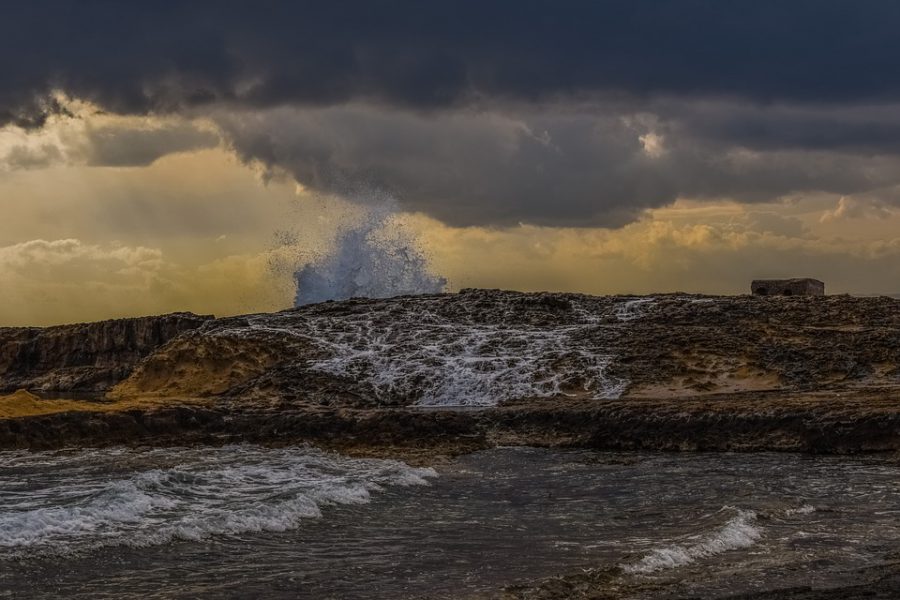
(84, 358)
(866, 422)
(373, 377)
(675, 372)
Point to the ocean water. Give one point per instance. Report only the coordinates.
(248, 521)
(60, 504)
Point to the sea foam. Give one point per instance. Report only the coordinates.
(739, 532)
(434, 361)
(192, 494)
(413, 352)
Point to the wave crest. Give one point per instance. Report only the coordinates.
(739, 532)
(202, 493)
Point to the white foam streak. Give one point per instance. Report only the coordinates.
(634, 309)
(203, 493)
(434, 362)
(806, 509)
(739, 532)
(411, 353)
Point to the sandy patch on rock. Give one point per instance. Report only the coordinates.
(196, 366)
(704, 373)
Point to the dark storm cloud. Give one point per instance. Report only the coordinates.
(550, 167)
(153, 56)
(574, 113)
(856, 128)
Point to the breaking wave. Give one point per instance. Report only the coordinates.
(376, 257)
(89, 501)
(739, 532)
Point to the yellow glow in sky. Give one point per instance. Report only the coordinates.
(197, 230)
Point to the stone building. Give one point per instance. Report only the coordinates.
(787, 287)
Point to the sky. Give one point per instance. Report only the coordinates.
(168, 156)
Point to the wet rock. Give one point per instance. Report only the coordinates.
(509, 346)
(745, 423)
(670, 372)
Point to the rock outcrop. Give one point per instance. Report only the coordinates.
(452, 372)
(485, 347)
(740, 423)
(85, 357)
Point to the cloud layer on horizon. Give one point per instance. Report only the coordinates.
(587, 165)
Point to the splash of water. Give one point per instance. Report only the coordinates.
(374, 258)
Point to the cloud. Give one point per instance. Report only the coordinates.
(67, 280)
(118, 146)
(849, 207)
(551, 165)
(586, 113)
(26, 157)
(89, 137)
(500, 113)
(773, 222)
(43, 259)
(141, 57)
(588, 164)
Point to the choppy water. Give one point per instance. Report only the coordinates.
(72, 503)
(246, 521)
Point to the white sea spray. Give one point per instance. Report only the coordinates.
(431, 361)
(375, 256)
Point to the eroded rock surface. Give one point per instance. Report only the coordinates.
(485, 347)
(485, 367)
(85, 357)
(423, 376)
